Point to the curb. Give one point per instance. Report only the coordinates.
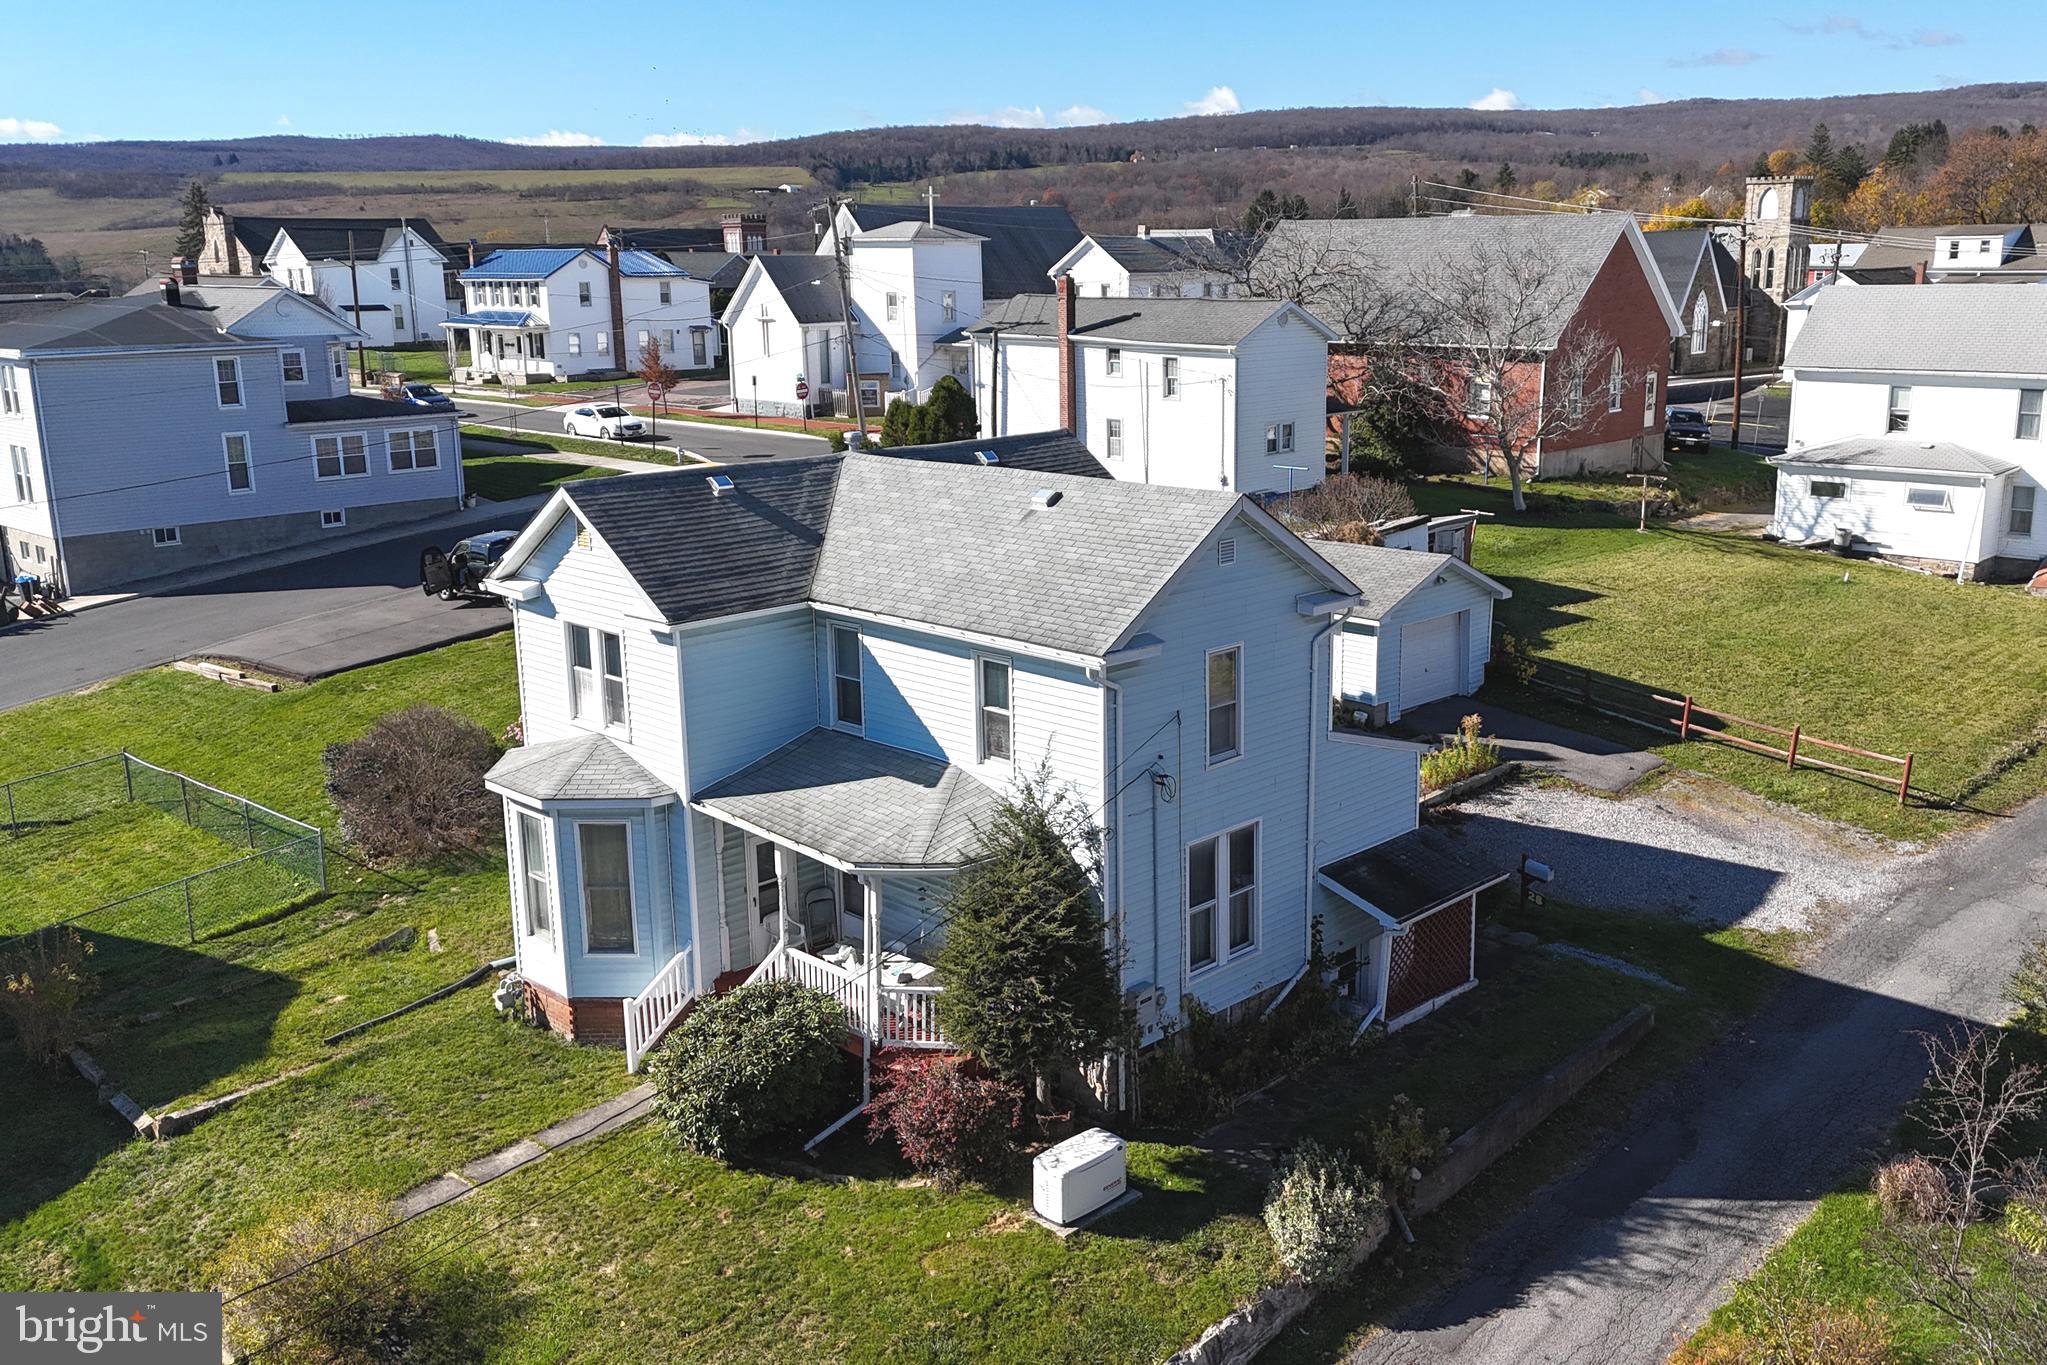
(1491, 777)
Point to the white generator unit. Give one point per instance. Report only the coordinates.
(1079, 1176)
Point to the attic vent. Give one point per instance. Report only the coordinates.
(987, 457)
(1226, 550)
(582, 536)
(721, 484)
(1046, 497)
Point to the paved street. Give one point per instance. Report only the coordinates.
(1614, 1265)
(1765, 417)
(345, 609)
(726, 444)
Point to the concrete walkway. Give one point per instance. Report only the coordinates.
(593, 1122)
(1585, 759)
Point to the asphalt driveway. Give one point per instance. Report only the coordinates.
(1618, 1263)
(1585, 759)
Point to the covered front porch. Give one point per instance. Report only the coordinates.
(832, 857)
(508, 345)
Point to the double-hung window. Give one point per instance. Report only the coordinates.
(343, 456)
(995, 714)
(227, 380)
(848, 696)
(235, 447)
(1114, 357)
(1115, 438)
(337, 360)
(949, 305)
(1225, 709)
(2029, 414)
(395, 284)
(667, 292)
(1900, 416)
(1222, 896)
(24, 474)
(1169, 377)
(1613, 384)
(533, 892)
(605, 849)
(414, 450)
(294, 361)
(10, 389)
(1279, 438)
(1649, 400)
(575, 343)
(894, 305)
(1478, 397)
(597, 676)
(2021, 521)
(583, 293)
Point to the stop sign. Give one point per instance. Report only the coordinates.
(802, 387)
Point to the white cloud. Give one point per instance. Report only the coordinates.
(33, 129)
(1724, 56)
(556, 137)
(1647, 96)
(686, 140)
(1933, 37)
(1220, 99)
(1018, 116)
(284, 120)
(1497, 99)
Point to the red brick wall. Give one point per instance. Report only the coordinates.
(586, 1020)
(1622, 305)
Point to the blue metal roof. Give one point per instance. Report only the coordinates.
(494, 317)
(538, 262)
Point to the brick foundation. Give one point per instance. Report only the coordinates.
(585, 1020)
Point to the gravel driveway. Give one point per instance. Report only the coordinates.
(1697, 848)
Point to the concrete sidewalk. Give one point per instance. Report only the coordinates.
(596, 1121)
(1585, 759)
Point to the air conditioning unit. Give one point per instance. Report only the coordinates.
(1078, 1177)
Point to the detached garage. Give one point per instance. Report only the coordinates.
(1422, 630)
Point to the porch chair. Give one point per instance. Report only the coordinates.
(820, 922)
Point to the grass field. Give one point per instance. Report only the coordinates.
(498, 477)
(736, 178)
(1862, 654)
(58, 871)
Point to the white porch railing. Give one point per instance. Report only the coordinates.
(648, 1014)
(908, 1014)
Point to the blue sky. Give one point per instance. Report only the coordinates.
(735, 73)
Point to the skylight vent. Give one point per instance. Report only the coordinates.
(721, 484)
(1046, 497)
(987, 457)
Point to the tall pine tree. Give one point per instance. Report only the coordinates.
(192, 222)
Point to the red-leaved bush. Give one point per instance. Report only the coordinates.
(950, 1123)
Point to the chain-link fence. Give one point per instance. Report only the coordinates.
(287, 858)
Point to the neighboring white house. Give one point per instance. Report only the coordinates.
(1020, 242)
(785, 326)
(534, 315)
(1916, 426)
(195, 423)
(767, 708)
(1200, 393)
(386, 275)
(1155, 263)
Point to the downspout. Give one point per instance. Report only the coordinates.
(1112, 702)
(1318, 720)
(1975, 542)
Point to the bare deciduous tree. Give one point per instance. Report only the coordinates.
(1345, 507)
(1975, 1095)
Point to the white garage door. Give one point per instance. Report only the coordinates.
(1428, 660)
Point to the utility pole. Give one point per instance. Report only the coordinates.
(1740, 319)
(362, 357)
(839, 253)
(411, 290)
(1414, 195)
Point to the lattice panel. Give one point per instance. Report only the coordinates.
(1432, 957)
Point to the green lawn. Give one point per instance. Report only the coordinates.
(1861, 654)
(428, 365)
(58, 871)
(1695, 481)
(544, 441)
(499, 477)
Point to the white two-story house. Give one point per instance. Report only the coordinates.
(385, 275)
(1155, 263)
(1916, 427)
(1198, 393)
(196, 422)
(536, 315)
(767, 709)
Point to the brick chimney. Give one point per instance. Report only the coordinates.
(186, 268)
(617, 308)
(1919, 272)
(1069, 398)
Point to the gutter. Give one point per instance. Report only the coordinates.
(1318, 721)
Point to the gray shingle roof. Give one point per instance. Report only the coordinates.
(1419, 871)
(1400, 250)
(1925, 330)
(132, 320)
(1022, 240)
(349, 407)
(228, 298)
(697, 556)
(327, 239)
(1900, 453)
(1165, 252)
(1170, 322)
(666, 239)
(1383, 577)
(719, 269)
(968, 549)
(1046, 452)
(912, 230)
(1676, 251)
(583, 768)
(808, 285)
(862, 803)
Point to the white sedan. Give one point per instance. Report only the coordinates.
(605, 421)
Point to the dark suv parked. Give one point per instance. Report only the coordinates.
(1685, 428)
